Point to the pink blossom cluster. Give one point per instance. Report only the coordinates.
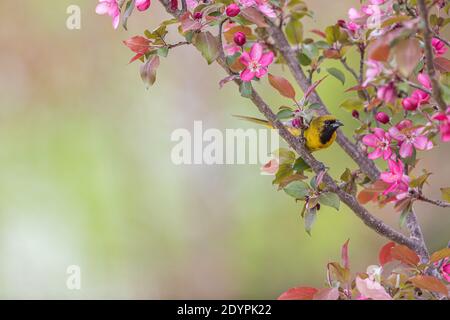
(112, 9)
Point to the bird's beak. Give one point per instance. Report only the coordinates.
(337, 124)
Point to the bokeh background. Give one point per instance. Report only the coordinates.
(86, 177)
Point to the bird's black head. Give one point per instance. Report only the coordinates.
(329, 127)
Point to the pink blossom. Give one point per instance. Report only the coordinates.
(424, 80)
(444, 124)
(381, 142)
(410, 104)
(398, 181)
(371, 289)
(256, 62)
(420, 96)
(439, 47)
(232, 10)
(382, 117)
(263, 6)
(409, 139)
(111, 8)
(445, 269)
(239, 38)
(377, 2)
(191, 4)
(387, 93)
(374, 69)
(143, 5)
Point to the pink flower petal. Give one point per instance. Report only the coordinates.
(406, 150)
(379, 132)
(266, 59)
(261, 72)
(256, 52)
(370, 140)
(422, 143)
(247, 75)
(396, 134)
(102, 8)
(375, 154)
(245, 58)
(387, 153)
(388, 177)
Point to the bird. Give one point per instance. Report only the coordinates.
(320, 134)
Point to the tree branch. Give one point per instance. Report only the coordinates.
(366, 165)
(427, 34)
(297, 145)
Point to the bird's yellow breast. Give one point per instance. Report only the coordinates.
(314, 132)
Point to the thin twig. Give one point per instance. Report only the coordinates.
(416, 86)
(437, 95)
(447, 43)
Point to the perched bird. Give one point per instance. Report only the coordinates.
(320, 134)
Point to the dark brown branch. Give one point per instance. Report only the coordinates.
(416, 234)
(419, 196)
(366, 165)
(427, 34)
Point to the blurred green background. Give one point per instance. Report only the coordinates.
(86, 177)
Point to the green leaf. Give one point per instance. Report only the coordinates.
(310, 219)
(284, 114)
(284, 170)
(245, 89)
(352, 104)
(338, 74)
(333, 33)
(294, 31)
(285, 155)
(163, 52)
(207, 44)
(300, 165)
(297, 189)
(445, 194)
(304, 59)
(330, 200)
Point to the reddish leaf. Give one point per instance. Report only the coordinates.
(442, 64)
(253, 15)
(355, 88)
(148, 70)
(429, 283)
(332, 54)
(439, 255)
(367, 195)
(385, 255)
(327, 294)
(405, 255)
(229, 34)
(379, 50)
(319, 33)
(138, 44)
(313, 87)
(299, 293)
(283, 86)
(344, 255)
(371, 289)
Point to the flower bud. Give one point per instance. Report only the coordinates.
(355, 114)
(142, 5)
(382, 117)
(404, 124)
(239, 38)
(198, 15)
(232, 10)
(410, 104)
(296, 123)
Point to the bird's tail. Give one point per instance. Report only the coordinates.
(255, 120)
